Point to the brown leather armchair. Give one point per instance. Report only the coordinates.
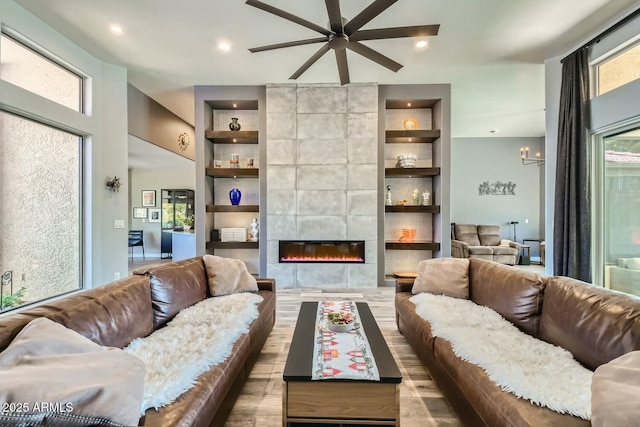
(484, 242)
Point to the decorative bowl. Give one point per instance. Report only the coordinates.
(407, 160)
(337, 327)
(340, 321)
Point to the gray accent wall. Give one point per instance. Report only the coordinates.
(153, 123)
(322, 178)
(476, 160)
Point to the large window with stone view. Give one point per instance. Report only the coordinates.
(41, 176)
(618, 69)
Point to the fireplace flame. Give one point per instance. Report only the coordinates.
(321, 259)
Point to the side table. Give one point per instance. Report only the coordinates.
(538, 241)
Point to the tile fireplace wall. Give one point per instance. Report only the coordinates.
(322, 175)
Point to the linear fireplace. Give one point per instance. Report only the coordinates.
(317, 251)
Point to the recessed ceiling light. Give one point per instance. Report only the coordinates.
(408, 104)
(235, 105)
(117, 29)
(224, 46)
(421, 43)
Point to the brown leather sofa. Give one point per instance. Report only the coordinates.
(596, 325)
(115, 314)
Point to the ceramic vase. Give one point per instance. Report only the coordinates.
(235, 195)
(234, 125)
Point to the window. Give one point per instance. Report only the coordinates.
(618, 70)
(40, 207)
(621, 197)
(40, 211)
(24, 67)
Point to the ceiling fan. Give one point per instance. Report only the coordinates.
(345, 34)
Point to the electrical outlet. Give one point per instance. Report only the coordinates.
(116, 275)
(526, 221)
(118, 223)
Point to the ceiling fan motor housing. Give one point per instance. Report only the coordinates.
(338, 41)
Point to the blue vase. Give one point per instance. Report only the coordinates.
(235, 195)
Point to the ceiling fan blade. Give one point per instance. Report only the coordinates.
(374, 56)
(324, 49)
(288, 16)
(335, 16)
(343, 66)
(373, 10)
(287, 44)
(396, 32)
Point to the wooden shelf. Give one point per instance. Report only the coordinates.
(411, 136)
(232, 245)
(402, 104)
(232, 208)
(418, 245)
(232, 172)
(232, 137)
(412, 208)
(411, 172)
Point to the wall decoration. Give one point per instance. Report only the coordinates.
(497, 188)
(140, 213)
(148, 197)
(154, 215)
(183, 141)
(114, 184)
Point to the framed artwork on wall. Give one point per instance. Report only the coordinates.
(148, 197)
(154, 215)
(140, 213)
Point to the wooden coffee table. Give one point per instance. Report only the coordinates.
(338, 402)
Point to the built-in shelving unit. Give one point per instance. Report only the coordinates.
(222, 175)
(423, 137)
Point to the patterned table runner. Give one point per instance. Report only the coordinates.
(342, 355)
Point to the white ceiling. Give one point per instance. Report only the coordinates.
(491, 51)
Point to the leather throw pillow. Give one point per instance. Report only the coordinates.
(228, 276)
(443, 276)
(51, 373)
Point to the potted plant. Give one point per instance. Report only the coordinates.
(13, 300)
(189, 221)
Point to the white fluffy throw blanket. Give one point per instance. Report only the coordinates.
(199, 337)
(531, 369)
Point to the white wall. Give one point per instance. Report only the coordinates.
(155, 179)
(105, 130)
(476, 160)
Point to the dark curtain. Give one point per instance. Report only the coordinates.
(572, 221)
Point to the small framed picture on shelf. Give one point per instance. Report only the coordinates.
(154, 215)
(148, 197)
(140, 213)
